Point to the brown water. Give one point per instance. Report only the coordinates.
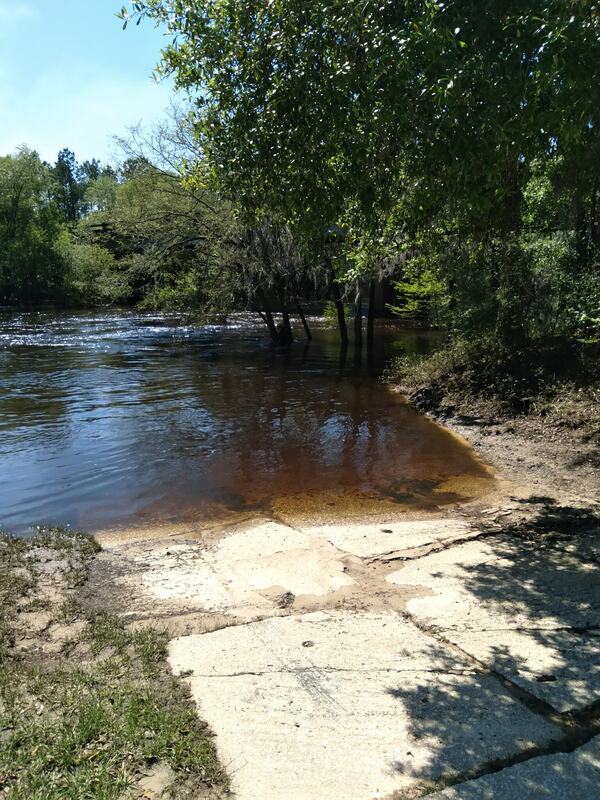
(125, 419)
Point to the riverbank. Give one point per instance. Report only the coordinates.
(556, 452)
(88, 707)
(534, 413)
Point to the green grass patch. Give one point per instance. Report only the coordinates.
(79, 733)
(91, 721)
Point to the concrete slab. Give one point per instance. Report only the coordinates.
(346, 706)
(562, 667)
(370, 540)
(264, 568)
(527, 613)
(246, 574)
(563, 776)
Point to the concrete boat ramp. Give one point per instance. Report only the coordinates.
(383, 660)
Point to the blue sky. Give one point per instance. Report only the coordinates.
(71, 77)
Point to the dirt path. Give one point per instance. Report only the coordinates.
(394, 658)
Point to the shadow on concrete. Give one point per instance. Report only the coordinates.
(532, 619)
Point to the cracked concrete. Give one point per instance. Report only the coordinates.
(347, 705)
(402, 538)
(560, 776)
(532, 616)
(267, 569)
(349, 662)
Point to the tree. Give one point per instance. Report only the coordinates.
(389, 119)
(170, 240)
(101, 192)
(69, 191)
(32, 269)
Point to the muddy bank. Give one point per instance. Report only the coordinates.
(546, 456)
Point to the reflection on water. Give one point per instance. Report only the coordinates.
(119, 419)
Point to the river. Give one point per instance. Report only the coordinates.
(110, 420)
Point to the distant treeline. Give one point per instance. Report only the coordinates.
(88, 234)
(148, 235)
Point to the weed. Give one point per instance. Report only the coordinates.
(91, 724)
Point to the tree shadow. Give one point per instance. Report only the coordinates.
(523, 606)
(463, 725)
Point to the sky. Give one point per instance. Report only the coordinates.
(70, 76)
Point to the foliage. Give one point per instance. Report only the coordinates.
(422, 295)
(334, 103)
(171, 241)
(330, 312)
(93, 276)
(87, 235)
(458, 144)
(31, 267)
(41, 257)
(554, 376)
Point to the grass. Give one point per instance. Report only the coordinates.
(479, 379)
(87, 706)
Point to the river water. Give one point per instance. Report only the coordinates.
(111, 420)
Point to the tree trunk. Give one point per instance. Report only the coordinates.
(582, 237)
(288, 336)
(371, 317)
(358, 320)
(341, 315)
(303, 320)
(267, 318)
(339, 306)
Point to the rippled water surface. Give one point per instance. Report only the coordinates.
(123, 419)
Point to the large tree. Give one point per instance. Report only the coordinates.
(339, 103)
(395, 120)
(32, 268)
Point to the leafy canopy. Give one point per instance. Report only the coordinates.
(337, 109)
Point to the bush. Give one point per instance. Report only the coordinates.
(516, 381)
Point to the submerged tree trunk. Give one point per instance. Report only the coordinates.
(303, 320)
(267, 318)
(358, 320)
(339, 306)
(371, 318)
(287, 337)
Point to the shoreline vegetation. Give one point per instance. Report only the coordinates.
(534, 415)
(557, 386)
(88, 707)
